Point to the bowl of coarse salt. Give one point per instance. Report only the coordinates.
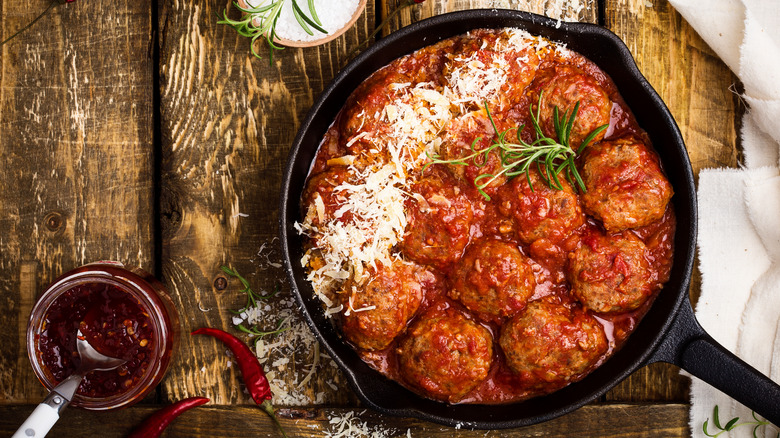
(335, 16)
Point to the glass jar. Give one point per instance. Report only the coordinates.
(123, 312)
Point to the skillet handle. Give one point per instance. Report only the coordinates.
(688, 346)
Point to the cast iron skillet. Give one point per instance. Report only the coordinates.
(669, 332)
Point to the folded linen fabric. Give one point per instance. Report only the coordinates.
(739, 209)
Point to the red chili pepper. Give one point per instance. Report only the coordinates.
(254, 376)
(153, 426)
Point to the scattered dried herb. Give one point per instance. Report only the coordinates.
(252, 299)
(251, 296)
(258, 333)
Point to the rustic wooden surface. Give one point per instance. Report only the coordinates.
(77, 156)
(612, 420)
(146, 133)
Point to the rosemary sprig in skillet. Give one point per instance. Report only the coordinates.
(552, 157)
(268, 13)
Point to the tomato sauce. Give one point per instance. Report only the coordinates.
(502, 385)
(549, 227)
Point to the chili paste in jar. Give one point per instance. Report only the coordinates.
(464, 280)
(113, 321)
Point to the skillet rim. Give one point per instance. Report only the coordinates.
(600, 46)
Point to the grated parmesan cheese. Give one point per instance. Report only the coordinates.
(349, 425)
(378, 224)
(410, 128)
(291, 358)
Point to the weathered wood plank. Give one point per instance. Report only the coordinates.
(696, 87)
(76, 128)
(612, 420)
(228, 120)
(695, 84)
(566, 10)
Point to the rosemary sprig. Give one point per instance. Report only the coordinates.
(733, 424)
(257, 333)
(251, 301)
(268, 15)
(552, 157)
(251, 296)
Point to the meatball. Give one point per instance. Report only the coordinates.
(493, 279)
(626, 186)
(611, 273)
(377, 312)
(464, 136)
(361, 112)
(445, 355)
(492, 68)
(439, 218)
(321, 201)
(538, 211)
(550, 344)
(562, 86)
(368, 121)
(426, 65)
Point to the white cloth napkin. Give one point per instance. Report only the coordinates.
(739, 209)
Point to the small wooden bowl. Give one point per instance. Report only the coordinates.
(326, 38)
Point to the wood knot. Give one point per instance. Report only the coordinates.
(170, 213)
(53, 221)
(220, 283)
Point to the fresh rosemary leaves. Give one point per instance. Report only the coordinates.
(733, 424)
(251, 296)
(268, 15)
(251, 301)
(552, 157)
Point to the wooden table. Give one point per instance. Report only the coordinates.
(146, 133)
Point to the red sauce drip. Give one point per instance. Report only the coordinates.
(114, 323)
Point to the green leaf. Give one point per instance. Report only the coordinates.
(313, 13)
(553, 158)
(267, 14)
(557, 122)
(731, 424)
(590, 137)
(704, 428)
(570, 124)
(715, 418)
(300, 15)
